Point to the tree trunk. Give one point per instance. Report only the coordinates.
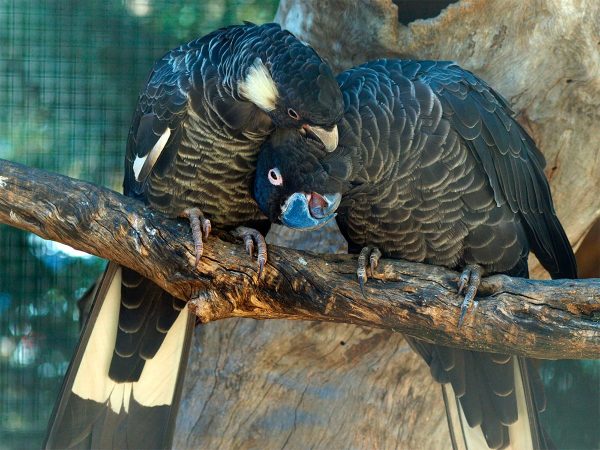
(275, 384)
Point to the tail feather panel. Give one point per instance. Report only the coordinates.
(524, 432)
(93, 410)
(491, 400)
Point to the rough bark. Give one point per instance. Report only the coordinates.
(542, 319)
(278, 384)
(283, 384)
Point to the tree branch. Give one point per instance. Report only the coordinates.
(541, 319)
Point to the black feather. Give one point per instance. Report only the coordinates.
(193, 142)
(434, 168)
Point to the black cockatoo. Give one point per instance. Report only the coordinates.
(192, 148)
(433, 167)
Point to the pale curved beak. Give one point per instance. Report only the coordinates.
(329, 138)
(309, 211)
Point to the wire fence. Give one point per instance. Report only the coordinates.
(70, 74)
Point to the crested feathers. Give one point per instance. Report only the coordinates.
(258, 87)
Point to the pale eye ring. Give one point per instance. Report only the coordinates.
(275, 177)
(293, 114)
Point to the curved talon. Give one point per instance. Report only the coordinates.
(470, 279)
(374, 259)
(200, 226)
(463, 280)
(206, 227)
(361, 272)
(249, 243)
(463, 311)
(361, 282)
(250, 237)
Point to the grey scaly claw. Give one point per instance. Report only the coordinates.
(470, 279)
(374, 259)
(373, 254)
(362, 279)
(251, 237)
(200, 227)
(463, 280)
(249, 243)
(206, 227)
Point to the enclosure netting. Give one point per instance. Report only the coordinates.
(70, 73)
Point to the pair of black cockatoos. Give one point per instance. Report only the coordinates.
(192, 149)
(433, 167)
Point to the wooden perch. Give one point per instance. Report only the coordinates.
(541, 319)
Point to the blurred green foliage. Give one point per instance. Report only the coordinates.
(70, 73)
(573, 403)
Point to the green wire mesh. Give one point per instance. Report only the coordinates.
(70, 74)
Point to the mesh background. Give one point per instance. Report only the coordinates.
(70, 74)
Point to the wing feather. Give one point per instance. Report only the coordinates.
(512, 162)
(162, 109)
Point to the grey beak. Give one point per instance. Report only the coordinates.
(321, 206)
(304, 211)
(329, 138)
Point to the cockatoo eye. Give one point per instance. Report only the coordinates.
(275, 177)
(293, 114)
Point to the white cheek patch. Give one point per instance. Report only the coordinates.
(143, 165)
(259, 88)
